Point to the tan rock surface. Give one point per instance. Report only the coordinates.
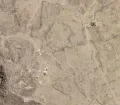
(59, 52)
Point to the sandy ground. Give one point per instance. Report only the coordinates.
(59, 52)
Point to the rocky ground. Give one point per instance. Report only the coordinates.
(59, 52)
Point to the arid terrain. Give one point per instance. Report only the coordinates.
(59, 52)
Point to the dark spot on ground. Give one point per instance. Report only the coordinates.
(2, 81)
(92, 24)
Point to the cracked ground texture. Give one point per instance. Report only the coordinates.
(59, 52)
